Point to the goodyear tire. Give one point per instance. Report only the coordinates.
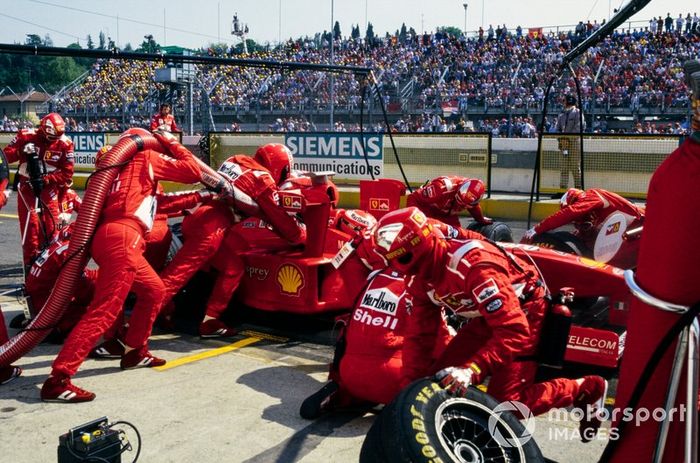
(426, 424)
(497, 231)
(562, 241)
(373, 448)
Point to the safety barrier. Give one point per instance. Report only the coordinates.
(423, 156)
(620, 163)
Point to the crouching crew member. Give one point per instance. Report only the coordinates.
(503, 299)
(442, 198)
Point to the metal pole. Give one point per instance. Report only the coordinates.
(118, 30)
(218, 22)
(465, 18)
(483, 8)
(165, 41)
(691, 391)
(279, 25)
(190, 103)
(332, 60)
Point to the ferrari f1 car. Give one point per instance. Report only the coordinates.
(304, 281)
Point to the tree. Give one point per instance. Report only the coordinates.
(451, 30)
(33, 39)
(149, 45)
(47, 41)
(110, 43)
(336, 31)
(90, 43)
(60, 71)
(128, 47)
(402, 33)
(355, 32)
(101, 39)
(369, 35)
(412, 32)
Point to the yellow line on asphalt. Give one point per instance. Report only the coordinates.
(208, 354)
(9, 216)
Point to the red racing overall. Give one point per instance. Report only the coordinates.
(57, 155)
(118, 247)
(43, 275)
(209, 230)
(438, 199)
(503, 300)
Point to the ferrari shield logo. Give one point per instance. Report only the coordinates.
(379, 204)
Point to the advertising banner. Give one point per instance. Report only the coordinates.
(341, 153)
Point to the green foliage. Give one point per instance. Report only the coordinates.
(149, 45)
(21, 72)
(451, 30)
(369, 35)
(336, 31)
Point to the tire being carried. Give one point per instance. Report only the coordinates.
(425, 424)
(497, 231)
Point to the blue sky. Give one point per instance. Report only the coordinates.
(195, 23)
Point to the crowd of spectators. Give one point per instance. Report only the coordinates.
(12, 125)
(495, 71)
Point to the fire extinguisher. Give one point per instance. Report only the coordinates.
(555, 330)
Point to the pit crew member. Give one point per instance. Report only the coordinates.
(118, 247)
(46, 147)
(587, 210)
(163, 120)
(4, 179)
(43, 274)
(209, 233)
(69, 201)
(367, 367)
(442, 198)
(503, 299)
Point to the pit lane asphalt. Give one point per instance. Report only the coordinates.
(215, 401)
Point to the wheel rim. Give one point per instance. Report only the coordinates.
(467, 439)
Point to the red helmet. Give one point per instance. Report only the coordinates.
(101, 154)
(276, 158)
(404, 237)
(52, 126)
(571, 196)
(469, 193)
(352, 221)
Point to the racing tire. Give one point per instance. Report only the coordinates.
(372, 450)
(425, 423)
(497, 231)
(562, 241)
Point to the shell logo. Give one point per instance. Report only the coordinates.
(290, 279)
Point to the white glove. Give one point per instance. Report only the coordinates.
(528, 236)
(29, 148)
(455, 380)
(63, 219)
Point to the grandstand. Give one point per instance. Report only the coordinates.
(631, 82)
